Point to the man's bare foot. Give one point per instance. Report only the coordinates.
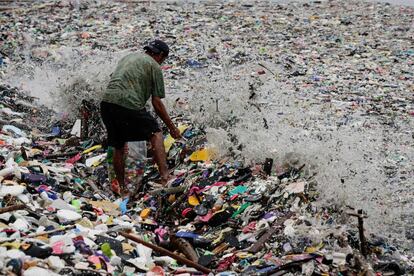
(164, 181)
(125, 193)
(115, 187)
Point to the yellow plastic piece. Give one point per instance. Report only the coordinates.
(35, 151)
(220, 237)
(126, 247)
(110, 208)
(171, 198)
(92, 149)
(14, 245)
(200, 155)
(86, 223)
(169, 141)
(145, 213)
(43, 238)
(61, 141)
(313, 249)
(97, 163)
(193, 200)
(243, 255)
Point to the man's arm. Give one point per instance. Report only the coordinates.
(162, 113)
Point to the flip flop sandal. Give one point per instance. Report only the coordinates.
(16, 266)
(115, 244)
(36, 251)
(200, 210)
(220, 217)
(188, 213)
(253, 197)
(194, 238)
(206, 260)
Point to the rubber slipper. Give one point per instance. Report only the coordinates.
(253, 197)
(188, 213)
(206, 260)
(36, 251)
(201, 210)
(220, 217)
(195, 239)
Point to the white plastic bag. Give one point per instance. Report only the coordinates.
(137, 150)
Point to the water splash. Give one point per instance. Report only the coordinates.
(66, 78)
(257, 116)
(250, 114)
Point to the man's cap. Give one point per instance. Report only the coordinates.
(158, 46)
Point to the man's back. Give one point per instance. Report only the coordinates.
(136, 77)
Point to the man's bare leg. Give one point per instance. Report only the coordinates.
(119, 166)
(160, 157)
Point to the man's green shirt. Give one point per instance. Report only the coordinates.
(136, 77)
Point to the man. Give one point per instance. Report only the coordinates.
(137, 77)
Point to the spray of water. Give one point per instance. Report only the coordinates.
(361, 161)
(63, 81)
(250, 114)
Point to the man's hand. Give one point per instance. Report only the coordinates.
(162, 112)
(175, 133)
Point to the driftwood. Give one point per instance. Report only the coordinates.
(12, 208)
(166, 252)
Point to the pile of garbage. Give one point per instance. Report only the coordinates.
(58, 215)
(218, 214)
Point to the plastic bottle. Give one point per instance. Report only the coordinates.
(135, 161)
(218, 204)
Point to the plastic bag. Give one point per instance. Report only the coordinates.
(134, 162)
(137, 150)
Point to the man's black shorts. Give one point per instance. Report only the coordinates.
(124, 124)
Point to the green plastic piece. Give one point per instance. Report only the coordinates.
(106, 250)
(241, 209)
(78, 180)
(238, 190)
(76, 203)
(19, 159)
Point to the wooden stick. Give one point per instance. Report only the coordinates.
(185, 247)
(362, 240)
(267, 69)
(12, 208)
(166, 252)
(362, 235)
